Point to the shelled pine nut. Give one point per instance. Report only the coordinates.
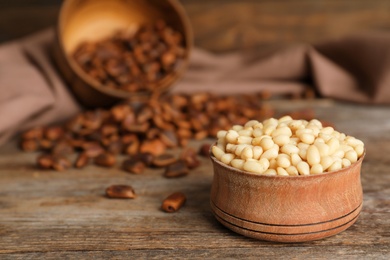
(287, 147)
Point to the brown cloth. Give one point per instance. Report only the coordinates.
(356, 68)
(32, 91)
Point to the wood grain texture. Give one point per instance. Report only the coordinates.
(46, 214)
(222, 25)
(226, 25)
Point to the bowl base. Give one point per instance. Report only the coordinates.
(286, 233)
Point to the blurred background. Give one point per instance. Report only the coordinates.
(225, 25)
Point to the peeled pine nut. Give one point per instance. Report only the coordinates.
(239, 149)
(282, 131)
(247, 153)
(359, 149)
(335, 166)
(303, 146)
(270, 121)
(339, 153)
(345, 162)
(336, 134)
(258, 125)
(351, 156)
(295, 159)
(270, 172)
(313, 155)
(307, 138)
(281, 140)
(245, 132)
(294, 141)
(257, 140)
(336, 159)
(345, 148)
(286, 147)
(217, 152)
(281, 125)
(285, 119)
(323, 149)
(251, 123)
(266, 143)
(264, 162)
(252, 160)
(257, 132)
(222, 141)
(326, 162)
(316, 122)
(292, 170)
(268, 129)
(231, 136)
(316, 168)
(314, 128)
(294, 125)
(303, 168)
(289, 149)
(270, 154)
(352, 141)
(227, 158)
(230, 148)
(300, 132)
(273, 164)
(237, 128)
(325, 137)
(257, 152)
(327, 130)
(256, 166)
(221, 134)
(303, 154)
(244, 140)
(281, 171)
(221, 146)
(237, 163)
(319, 140)
(333, 144)
(283, 160)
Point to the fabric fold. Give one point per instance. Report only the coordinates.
(32, 91)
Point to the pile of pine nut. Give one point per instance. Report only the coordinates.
(286, 147)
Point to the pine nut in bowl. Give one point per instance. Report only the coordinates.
(294, 189)
(114, 50)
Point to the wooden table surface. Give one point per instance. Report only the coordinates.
(47, 214)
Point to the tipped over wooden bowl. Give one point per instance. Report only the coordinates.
(286, 208)
(93, 20)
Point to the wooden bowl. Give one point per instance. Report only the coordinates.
(93, 20)
(286, 208)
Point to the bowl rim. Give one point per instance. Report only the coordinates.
(256, 175)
